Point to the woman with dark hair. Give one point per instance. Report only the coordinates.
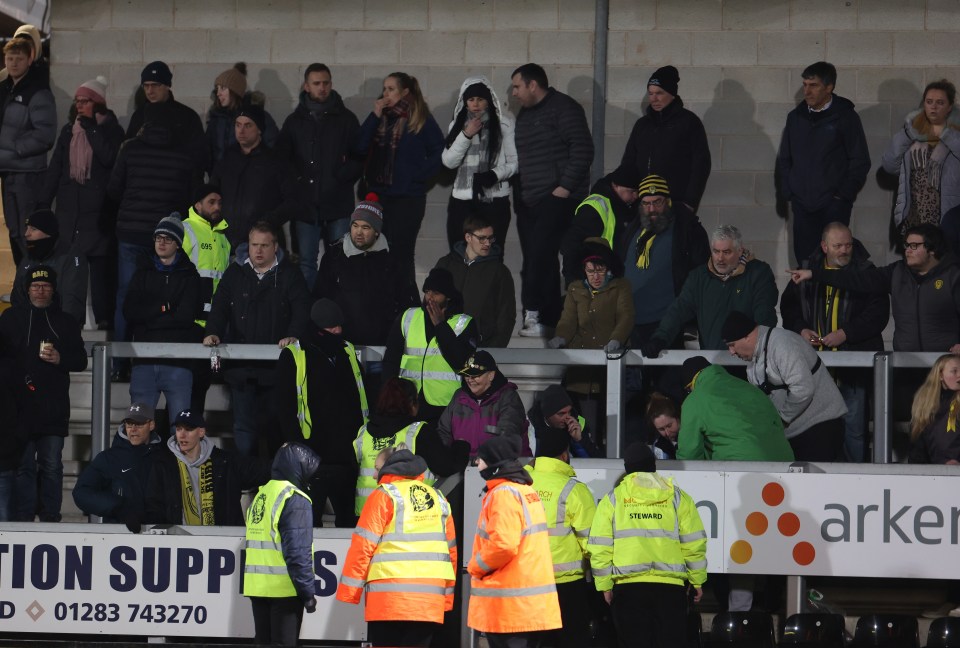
(663, 417)
(926, 155)
(402, 144)
(480, 146)
(228, 96)
(77, 177)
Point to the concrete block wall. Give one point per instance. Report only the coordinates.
(739, 62)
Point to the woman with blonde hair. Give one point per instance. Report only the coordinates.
(403, 145)
(936, 408)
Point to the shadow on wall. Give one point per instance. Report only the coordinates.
(269, 83)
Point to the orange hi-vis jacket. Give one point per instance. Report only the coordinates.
(513, 588)
(403, 553)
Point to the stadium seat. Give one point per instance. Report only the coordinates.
(944, 633)
(813, 629)
(742, 630)
(886, 631)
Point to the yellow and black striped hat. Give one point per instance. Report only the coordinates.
(654, 185)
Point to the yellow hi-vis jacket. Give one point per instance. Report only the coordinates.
(367, 447)
(603, 207)
(265, 571)
(647, 530)
(303, 406)
(570, 507)
(422, 361)
(208, 248)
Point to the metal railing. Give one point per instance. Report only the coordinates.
(882, 365)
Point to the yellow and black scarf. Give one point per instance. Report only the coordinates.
(191, 515)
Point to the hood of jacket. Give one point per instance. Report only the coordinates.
(947, 262)
(194, 217)
(498, 384)
(649, 488)
(295, 463)
(206, 449)
(349, 249)
(243, 255)
(469, 81)
(667, 113)
(404, 463)
(121, 440)
(381, 426)
(839, 105)
(915, 120)
(333, 104)
(496, 253)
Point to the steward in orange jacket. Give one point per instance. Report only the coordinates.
(512, 592)
(402, 518)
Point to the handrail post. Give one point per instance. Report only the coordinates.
(882, 409)
(616, 372)
(100, 405)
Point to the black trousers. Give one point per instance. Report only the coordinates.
(277, 620)
(339, 485)
(820, 442)
(514, 640)
(575, 614)
(650, 615)
(497, 213)
(402, 217)
(401, 634)
(541, 229)
(808, 225)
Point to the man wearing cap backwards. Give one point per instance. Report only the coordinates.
(731, 280)
(476, 264)
(403, 554)
(256, 183)
(360, 274)
(162, 304)
(197, 483)
(553, 410)
(262, 299)
(320, 401)
(28, 129)
(41, 236)
(155, 81)
(426, 343)
(569, 506)
(513, 594)
(786, 368)
(43, 346)
(670, 141)
(114, 485)
(647, 547)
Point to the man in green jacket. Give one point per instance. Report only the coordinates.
(727, 419)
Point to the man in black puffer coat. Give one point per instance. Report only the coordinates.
(42, 373)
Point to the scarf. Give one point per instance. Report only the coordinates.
(193, 515)
(81, 154)
(952, 416)
(479, 144)
(644, 243)
(393, 123)
(739, 270)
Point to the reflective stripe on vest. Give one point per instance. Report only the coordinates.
(265, 571)
(601, 204)
(209, 251)
(303, 408)
(564, 547)
(366, 448)
(422, 361)
(414, 543)
(355, 366)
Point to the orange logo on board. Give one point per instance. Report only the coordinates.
(787, 525)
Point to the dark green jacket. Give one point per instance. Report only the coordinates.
(728, 419)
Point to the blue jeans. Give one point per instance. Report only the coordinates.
(45, 453)
(309, 236)
(176, 383)
(854, 395)
(127, 256)
(8, 492)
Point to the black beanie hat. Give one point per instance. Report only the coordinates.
(553, 399)
(552, 442)
(440, 280)
(638, 457)
(45, 221)
(325, 313)
(204, 191)
(691, 367)
(254, 113)
(478, 90)
(667, 78)
(500, 450)
(736, 327)
(157, 72)
(626, 175)
(41, 273)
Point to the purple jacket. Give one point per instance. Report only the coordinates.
(497, 412)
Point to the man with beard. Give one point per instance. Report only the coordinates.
(426, 343)
(832, 319)
(659, 250)
(730, 281)
(41, 236)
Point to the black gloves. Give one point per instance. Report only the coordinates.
(132, 520)
(482, 181)
(311, 605)
(651, 348)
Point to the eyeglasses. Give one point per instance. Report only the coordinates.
(82, 101)
(914, 246)
(596, 271)
(484, 239)
(653, 204)
(160, 238)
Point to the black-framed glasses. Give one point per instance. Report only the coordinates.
(653, 204)
(161, 238)
(484, 239)
(914, 246)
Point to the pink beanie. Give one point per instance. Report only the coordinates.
(95, 90)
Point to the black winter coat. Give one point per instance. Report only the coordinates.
(232, 474)
(332, 397)
(155, 174)
(221, 132)
(862, 316)
(187, 117)
(114, 485)
(14, 435)
(161, 305)
(86, 221)
(255, 186)
(319, 145)
(672, 144)
(43, 388)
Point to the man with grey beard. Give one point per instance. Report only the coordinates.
(661, 247)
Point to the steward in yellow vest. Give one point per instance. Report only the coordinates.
(425, 344)
(320, 401)
(647, 545)
(205, 243)
(278, 573)
(570, 507)
(404, 555)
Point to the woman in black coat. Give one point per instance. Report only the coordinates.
(77, 177)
